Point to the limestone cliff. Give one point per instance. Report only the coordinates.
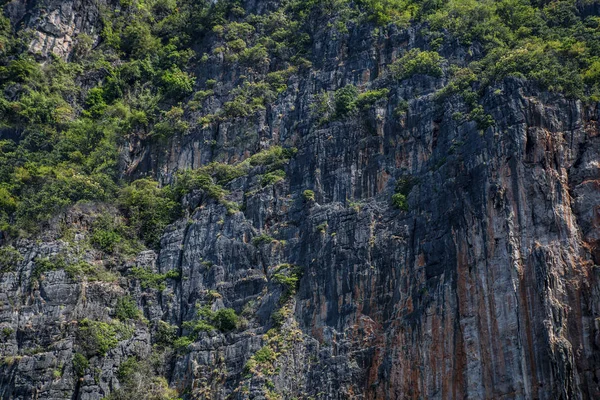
(484, 284)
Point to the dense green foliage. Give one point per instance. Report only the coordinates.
(80, 364)
(96, 337)
(126, 309)
(149, 279)
(308, 195)
(9, 258)
(148, 208)
(207, 320)
(64, 124)
(225, 319)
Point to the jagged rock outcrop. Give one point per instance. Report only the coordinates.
(487, 286)
(56, 24)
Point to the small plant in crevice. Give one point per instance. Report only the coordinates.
(322, 228)
(262, 239)
(403, 187)
(80, 364)
(308, 195)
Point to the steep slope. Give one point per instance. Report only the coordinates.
(359, 216)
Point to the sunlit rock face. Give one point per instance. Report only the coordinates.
(56, 26)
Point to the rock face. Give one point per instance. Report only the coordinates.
(56, 24)
(486, 287)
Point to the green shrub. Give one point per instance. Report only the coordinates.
(402, 108)
(80, 364)
(149, 279)
(383, 12)
(405, 184)
(264, 355)
(93, 273)
(289, 282)
(165, 333)
(182, 343)
(110, 235)
(198, 326)
(278, 317)
(96, 338)
(49, 191)
(322, 228)
(105, 240)
(482, 119)
(371, 97)
(177, 84)
(249, 98)
(137, 40)
(95, 102)
(271, 178)
(345, 100)
(126, 309)
(308, 195)
(171, 124)
(9, 258)
(225, 319)
(261, 239)
(399, 201)
(273, 157)
(417, 62)
(149, 209)
(189, 180)
(127, 369)
(256, 55)
(591, 75)
(46, 264)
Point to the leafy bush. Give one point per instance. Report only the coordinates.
(127, 369)
(249, 98)
(149, 279)
(46, 264)
(399, 201)
(106, 234)
(308, 195)
(171, 124)
(177, 84)
(417, 62)
(181, 343)
(49, 191)
(371, 97)
(274, 157)
(96, 338)
(9, 258)
(383, 12)
(345, 100)
(322, 228)
(225, 319)
(271, 178)
(289, 277)
(264, 355)
(261, 239)
(126, 309)
(143, 384)
(149, 209)
(95, 102)
(80, 364)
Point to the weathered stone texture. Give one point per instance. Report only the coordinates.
(486, 288)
